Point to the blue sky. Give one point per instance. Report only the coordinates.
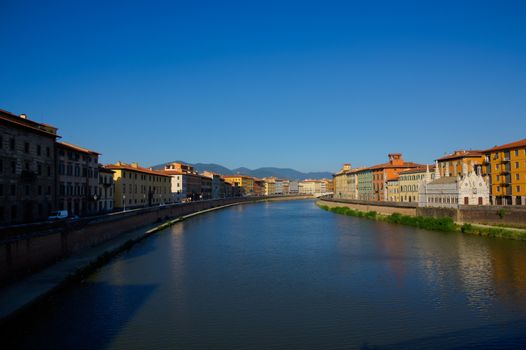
(301, 84)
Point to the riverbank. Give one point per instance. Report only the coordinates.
(22, 295)
(444, 224)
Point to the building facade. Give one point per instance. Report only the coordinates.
(243, 182)
(505, 169)
(136, 186)
(392, 190)
(105, 195)
(451, 164)
(27, 169)
(78, 177)
(409, 182)
(388, 171)
(467, 188)
(364, 185)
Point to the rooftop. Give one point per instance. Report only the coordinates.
(77, 148)
(22, 121)
(134, 167)
(521, 143)
(461, 154)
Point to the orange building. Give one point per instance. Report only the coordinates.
(388, 171)
(451, 164)
(505, 169)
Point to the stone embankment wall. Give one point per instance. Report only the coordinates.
(385, 208)
(487, 215)
(28, 248)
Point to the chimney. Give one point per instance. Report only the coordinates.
(134, 165)
(23, 116)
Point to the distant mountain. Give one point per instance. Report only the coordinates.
(285, 173)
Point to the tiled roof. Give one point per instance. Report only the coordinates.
(521, 143)
(26, 123)
(137, 169)
(77, 148)
(461, 154)
(389, 165)
(418, 170)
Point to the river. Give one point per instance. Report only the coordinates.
(288, 275)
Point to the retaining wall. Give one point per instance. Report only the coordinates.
(385, 208)
(487, 215)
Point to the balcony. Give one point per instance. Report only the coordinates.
(505, 169)
(505, 159)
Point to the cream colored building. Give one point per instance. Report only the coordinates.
(409, 181)
(392, 188)
(345, 182)
(314, 187)
(139, 187)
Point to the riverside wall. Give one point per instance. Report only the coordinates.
(385, 208)
(25, 249)
(487, 215)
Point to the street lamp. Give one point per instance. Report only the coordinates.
(124, 201)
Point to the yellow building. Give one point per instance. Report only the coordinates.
(270, 186)
(451, 164)
(393, 190)
(246, 183)
(139, 187)
(505, 169)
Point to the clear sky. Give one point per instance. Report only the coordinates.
(301, 84)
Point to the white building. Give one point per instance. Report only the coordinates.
(452, 191)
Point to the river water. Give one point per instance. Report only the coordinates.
(288, 275)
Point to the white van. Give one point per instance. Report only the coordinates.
(58, 215)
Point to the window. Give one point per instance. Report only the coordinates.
(39, 150)
(497, 166)
(26, 147)
(13, 167)
(517, 177)
(39, 169)
(516, 165)
(518, 188)
(498, 188)
(13, 190)
(27, 190)
(516, 152)
(48, 152)
(12, 144)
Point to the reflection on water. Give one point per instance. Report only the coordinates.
(289, 275)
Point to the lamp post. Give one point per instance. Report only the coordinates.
(124, 201)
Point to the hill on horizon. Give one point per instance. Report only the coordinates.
(285, 173)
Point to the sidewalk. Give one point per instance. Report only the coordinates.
(29, 290)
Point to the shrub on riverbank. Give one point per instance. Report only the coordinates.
(444, 224)
(428, 223)
(425, 222)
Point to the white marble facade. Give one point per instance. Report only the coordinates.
(468, 188)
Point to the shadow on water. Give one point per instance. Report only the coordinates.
(506, 335)
(89, 320)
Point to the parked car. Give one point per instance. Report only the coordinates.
(58, 215)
